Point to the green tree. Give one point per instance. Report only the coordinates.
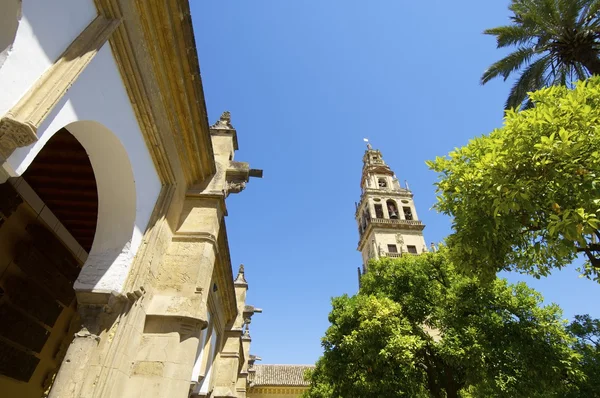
(587, 332)
(527, 196)
(417, 328)
(557, 42)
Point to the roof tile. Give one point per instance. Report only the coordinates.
(280, 375)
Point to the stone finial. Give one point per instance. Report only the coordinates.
(224, 122)
(241, 279)
(247, 322)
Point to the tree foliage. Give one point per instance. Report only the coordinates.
(587, 332)
(527, 196)
(417, 328)
(556, 42)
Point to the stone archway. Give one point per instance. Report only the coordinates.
(65, 222)
(43, 248)
(111, 254)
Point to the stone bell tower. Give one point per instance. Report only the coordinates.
(388, 225)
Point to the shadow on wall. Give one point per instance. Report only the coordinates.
(49, 25)
(10, 16)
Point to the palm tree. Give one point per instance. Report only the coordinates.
(558, 42)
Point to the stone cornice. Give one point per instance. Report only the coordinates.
(384, 223)
(156, 54)
(224, 275)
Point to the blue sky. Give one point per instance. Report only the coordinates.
(305, 82)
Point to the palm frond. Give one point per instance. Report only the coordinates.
(558, 43)
(508, 64)
(541, 16)
(561, 78)
(510, 35)
(580, 72)
(569, 11)
(531, 79)
(589, 12)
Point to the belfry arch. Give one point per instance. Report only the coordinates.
(64, 223)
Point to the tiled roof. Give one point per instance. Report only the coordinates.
(280, 375)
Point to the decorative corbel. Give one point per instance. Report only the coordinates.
(238, 174)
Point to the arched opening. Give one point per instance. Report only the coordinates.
(378, 211)
(408, 215)
(382, 183)
(110, 256)
(10, 15)
(71, 213)
(63, 177)
(392, 209)
(48, 224)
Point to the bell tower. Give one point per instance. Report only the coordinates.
(388, 225)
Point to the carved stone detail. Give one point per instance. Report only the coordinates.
(188, 328)
(15, 134)
(224, 122)
(235, 186)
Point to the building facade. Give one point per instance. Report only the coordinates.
(115, 274)
(388, 224)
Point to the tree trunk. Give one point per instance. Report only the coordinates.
(451, 386)
(432, 378)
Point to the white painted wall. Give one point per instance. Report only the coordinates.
(205, 385)
(46, 29)
(96, 109)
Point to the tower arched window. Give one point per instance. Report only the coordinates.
(392, 209)
(378, 211)
(382, 183)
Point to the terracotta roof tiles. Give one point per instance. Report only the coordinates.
(280, 375)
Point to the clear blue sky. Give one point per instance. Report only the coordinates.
(305, 81)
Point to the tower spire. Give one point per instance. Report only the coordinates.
(387, 219)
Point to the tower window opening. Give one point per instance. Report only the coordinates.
(378, 211)
(392, 209)
(393, 249)
(407, 213)
(411, 249)
(382, 183)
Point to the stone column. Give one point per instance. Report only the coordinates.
(178, 310)
(227, 368)
(386, 213)
(80, 364)
(242, 383)
(72, 374)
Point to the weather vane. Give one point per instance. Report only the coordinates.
(367, 141)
